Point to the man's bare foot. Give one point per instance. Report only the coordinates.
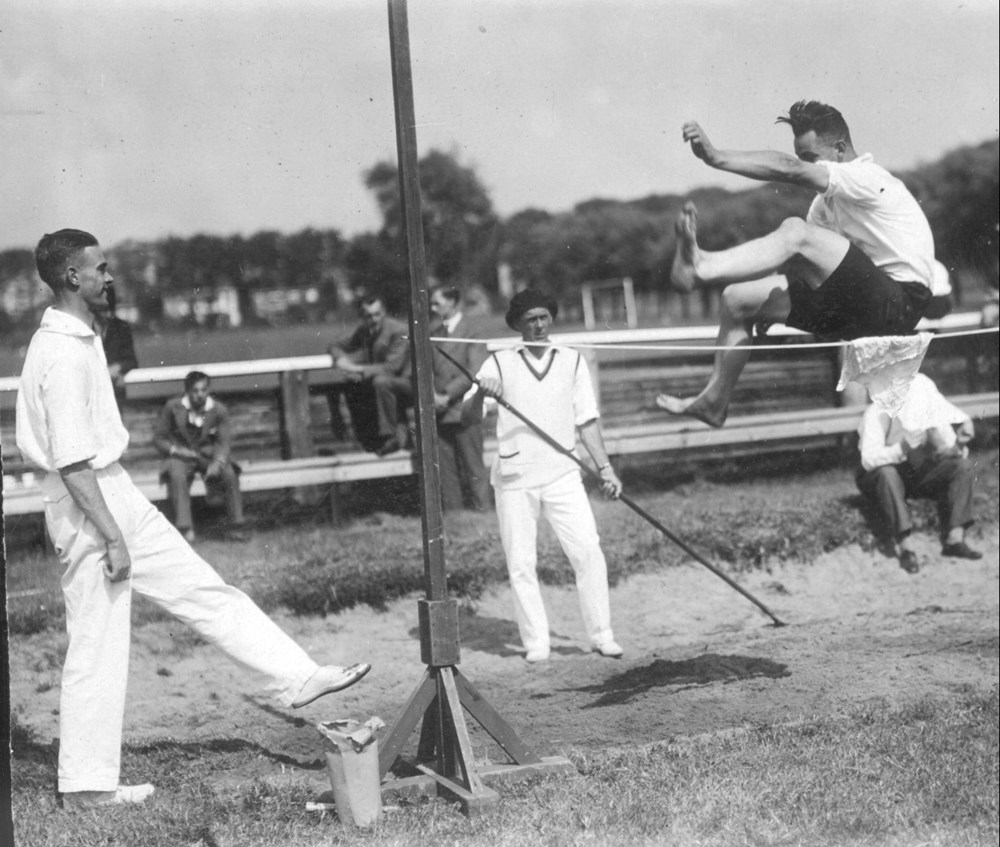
(691, 408)
(683, 273)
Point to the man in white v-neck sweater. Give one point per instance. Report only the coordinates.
(551, 386)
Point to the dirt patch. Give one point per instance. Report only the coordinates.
(698, 658)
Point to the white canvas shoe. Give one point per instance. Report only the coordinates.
(538, 655)
(121, 796)
(611, 649)
(327, 680)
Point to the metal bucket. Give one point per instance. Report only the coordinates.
(352, 763)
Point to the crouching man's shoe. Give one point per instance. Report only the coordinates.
(960, 550)
(327, 680)
(908, 561)
(121, 796)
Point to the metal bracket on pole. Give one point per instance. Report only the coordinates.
(445, 761)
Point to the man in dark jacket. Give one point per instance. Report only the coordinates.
(194, 436)
(119, 347)
(376, 358)
(464, 480)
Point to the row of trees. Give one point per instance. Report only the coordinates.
(466, 241)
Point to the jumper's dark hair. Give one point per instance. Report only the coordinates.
(824, 120)
(193, 378)
(56, 250)
(449, 292)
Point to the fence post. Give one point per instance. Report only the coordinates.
(296, 439)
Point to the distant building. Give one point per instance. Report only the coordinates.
(218, 306)
(23, 294)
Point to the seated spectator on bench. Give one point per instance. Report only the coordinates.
(194, 436)
(376, 362)
(921, 452)
(465, 482)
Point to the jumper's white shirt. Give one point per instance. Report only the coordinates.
(554, 392)
(883, 439)
(66, 410)
(875, 211)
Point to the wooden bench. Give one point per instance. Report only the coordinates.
(763, 432)
(22, 498)
(669, 435)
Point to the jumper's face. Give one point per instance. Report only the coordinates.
(198, 394)
(442, 307)
(373, 315)
(534, 325)
(810, 147)
(89, 272)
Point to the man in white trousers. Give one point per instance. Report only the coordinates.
(111, 540)
(551, 386)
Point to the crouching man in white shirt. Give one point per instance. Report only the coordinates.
(920, 452)
(551, 386)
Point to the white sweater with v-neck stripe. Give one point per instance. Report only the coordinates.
(554, 392)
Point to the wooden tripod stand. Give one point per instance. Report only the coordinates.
(439, 699)
(444, 752)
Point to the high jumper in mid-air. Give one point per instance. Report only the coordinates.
(860, 265)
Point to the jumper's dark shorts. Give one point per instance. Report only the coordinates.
(856, 301)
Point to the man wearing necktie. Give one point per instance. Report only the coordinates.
(464, 479)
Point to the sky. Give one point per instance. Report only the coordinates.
(138, 119)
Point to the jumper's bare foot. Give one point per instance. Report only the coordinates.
(691, 408)
(683, 273)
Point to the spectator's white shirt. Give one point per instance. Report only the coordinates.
(883, 440)
(875, 211)
(66, 410)
(554, 392)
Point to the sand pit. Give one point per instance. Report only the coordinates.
(699, 658)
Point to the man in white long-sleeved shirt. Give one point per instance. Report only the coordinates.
(112, 541)
(920, 452)
(551, 386)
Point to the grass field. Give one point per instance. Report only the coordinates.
(742, 519)
(925, 774)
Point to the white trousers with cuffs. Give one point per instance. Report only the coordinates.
(173, 576)
(564, 504)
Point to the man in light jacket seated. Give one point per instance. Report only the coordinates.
(921, 452)
(194, 436)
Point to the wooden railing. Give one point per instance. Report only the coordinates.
(782, 396)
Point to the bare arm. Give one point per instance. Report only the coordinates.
(590, 435)
(81, 482)
(767, 165)
(472, 407)
(872, 432)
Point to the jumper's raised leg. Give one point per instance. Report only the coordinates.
(743, 305)
(684, 271)
(810, 252)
